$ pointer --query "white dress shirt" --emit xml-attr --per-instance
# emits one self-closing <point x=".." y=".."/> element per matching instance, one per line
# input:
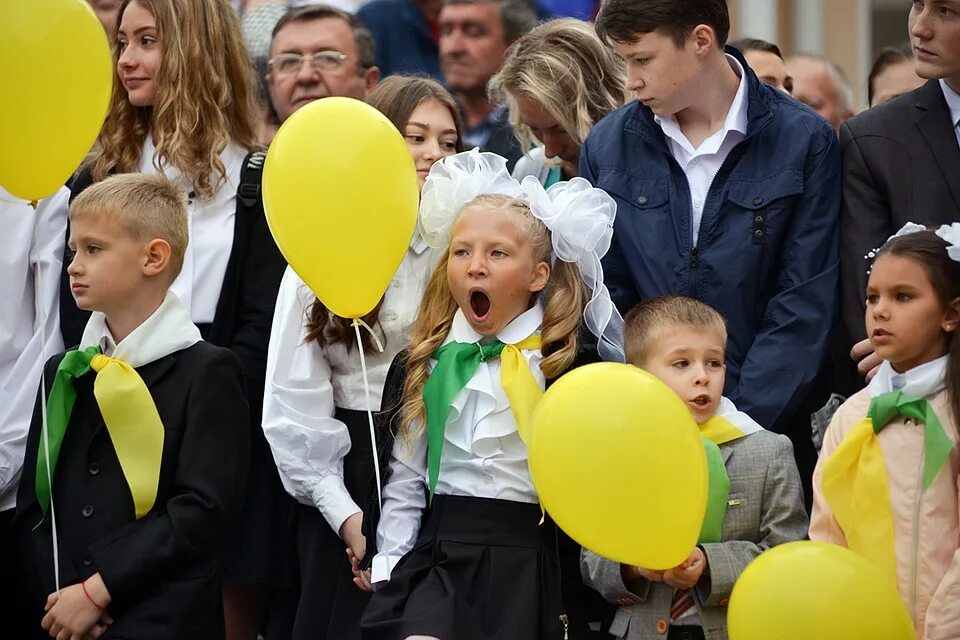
<point x="305" y="384"/>
<point x="483" y="455"/>
<point x="922" y="381"/>
<point x="30" y="265"/>
<point x="953" y="103"/>
<point x="211" y="233"/>
<point x="702" y="163"/>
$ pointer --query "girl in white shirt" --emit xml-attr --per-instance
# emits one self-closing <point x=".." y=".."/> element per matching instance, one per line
<point x="461" y="550"/>
<point x="315" y="407"/>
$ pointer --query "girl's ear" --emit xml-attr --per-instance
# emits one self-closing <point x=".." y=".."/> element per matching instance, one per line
<point x="951" y="319"/>
<point x="541" y="275"/>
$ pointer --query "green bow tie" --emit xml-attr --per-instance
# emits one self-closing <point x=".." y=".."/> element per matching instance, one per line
<point x="936" y="444"/>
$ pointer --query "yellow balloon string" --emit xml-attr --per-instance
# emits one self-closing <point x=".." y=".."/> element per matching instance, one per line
<point x="135" y="428"/>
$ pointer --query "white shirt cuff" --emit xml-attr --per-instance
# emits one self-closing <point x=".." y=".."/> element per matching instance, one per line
<point x="333" y="500"/>
<point x="382" y="567"/>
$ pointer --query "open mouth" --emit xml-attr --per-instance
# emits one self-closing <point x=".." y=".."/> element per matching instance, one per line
<point x="702" y="401"/>
<point x="479" y="305"/>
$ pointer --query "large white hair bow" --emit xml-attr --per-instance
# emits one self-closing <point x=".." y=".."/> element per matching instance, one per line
<point x="579" y="217"/>
<point x="951" y="235"/>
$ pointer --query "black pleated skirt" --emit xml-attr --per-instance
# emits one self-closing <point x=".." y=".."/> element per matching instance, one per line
<point x="482" y="569"/>
<point x="327" y="604"/>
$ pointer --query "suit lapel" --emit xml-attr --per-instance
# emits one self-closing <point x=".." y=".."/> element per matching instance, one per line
<point x="726" y="452"/>
<point x="933" y="121"/>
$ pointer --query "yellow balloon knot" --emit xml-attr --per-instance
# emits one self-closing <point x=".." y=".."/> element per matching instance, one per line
<point x="99" y="362"/>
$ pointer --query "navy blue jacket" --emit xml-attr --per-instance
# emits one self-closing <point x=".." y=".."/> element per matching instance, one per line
<point x="767" y="253"/>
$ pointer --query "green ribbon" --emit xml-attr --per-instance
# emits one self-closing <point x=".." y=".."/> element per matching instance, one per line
<point x="936" y="445"/>
<point x="59" y="407"/>
<point x="718" y="491"/>
<point x="457" y="362"/>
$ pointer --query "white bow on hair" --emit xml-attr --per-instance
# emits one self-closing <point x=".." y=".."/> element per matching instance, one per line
<point x="579" y="217"/>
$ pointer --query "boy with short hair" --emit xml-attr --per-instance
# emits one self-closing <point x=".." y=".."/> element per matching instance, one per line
<point x="681" y="341"/>
<point x="144" y="454"/>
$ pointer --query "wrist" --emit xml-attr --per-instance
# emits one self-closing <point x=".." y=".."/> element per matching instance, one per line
<point x="96" y="591"/>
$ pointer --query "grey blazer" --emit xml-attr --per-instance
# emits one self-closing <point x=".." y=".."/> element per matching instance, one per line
<point x="765" y="508"/>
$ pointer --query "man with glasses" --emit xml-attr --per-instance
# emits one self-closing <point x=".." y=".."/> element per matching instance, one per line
<point x="317" y="52"/>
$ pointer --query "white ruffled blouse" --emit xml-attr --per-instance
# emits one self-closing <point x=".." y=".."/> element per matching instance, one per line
<point x="483" y="455"/>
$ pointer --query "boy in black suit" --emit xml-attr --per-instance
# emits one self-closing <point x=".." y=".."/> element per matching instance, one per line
<point x="143" y="457"/>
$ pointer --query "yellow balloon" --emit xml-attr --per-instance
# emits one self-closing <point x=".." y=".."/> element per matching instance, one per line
<point x="56" y="72"/>
<point x="340" y="193"/>
<point x="814" y="590"/>
<point x="618" y="462"/>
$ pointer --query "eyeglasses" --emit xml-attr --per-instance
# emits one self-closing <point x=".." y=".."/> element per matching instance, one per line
<point x="288" y="64"/>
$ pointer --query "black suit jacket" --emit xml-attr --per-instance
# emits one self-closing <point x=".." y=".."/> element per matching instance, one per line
<point x="901" y="163"/>
<point x="162" y="570"/>
<point x="245" y="309"/>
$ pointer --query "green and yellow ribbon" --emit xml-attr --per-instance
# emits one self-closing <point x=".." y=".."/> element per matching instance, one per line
<point x="457" y="362"/>
<point x="855" y="482"/>
<point x="716" y="431"/>
<point x="129" y="413"/>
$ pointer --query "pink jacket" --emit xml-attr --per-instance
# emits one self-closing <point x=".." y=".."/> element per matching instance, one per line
<point x="926" y="525"/>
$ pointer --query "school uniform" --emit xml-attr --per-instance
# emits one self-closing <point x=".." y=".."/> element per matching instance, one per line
<point x="228" y="284"/>
<point x="29" y="268"/>
<point x="315" y="420"/>
<point x="764" y="508"/>
<point x="162" y="569"/>
<point x="475" y="562"/>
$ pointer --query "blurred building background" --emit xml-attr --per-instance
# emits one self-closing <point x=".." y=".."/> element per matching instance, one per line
<point x="848" y="32"/>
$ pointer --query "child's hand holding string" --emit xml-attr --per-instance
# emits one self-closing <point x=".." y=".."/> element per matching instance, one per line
<point x="686" y="575"/>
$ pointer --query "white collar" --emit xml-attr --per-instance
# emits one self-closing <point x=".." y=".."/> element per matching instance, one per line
<point x="953" y="102"/>
<point x="737" y="418"/>
<point x="736" y="119"/>
<point x="922" y="381"/>
<point x="523" y="326"/>
<point x="167" y="330"/>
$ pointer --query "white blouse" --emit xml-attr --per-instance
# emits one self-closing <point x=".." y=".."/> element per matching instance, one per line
<point x="483" y="455"/>
<point x="30" y="266"/>
<point x="305" y="384"/>
<point x="211" y="233"/>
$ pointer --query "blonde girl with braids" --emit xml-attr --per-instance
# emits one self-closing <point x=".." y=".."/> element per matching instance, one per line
<point x="183" y="106"/>
<point x="315" y="405"/>
<point x="558" y="81"/>
<point x="502" y="315"/>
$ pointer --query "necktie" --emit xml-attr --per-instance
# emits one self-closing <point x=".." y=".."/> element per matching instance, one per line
<point x="855" y="482"/>
<point x="457" y="362"/>
<point x="129" y="413"/>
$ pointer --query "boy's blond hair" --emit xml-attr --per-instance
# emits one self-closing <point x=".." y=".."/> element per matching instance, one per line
<point x="649" y="319"/>
<point x="146" y="207"/>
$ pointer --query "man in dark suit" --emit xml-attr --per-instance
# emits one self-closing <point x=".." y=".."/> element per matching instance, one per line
<point x="901" y="160"/>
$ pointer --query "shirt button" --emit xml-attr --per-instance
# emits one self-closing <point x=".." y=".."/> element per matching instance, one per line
<point x="87" y="511"/>
<point x="758" y="234"/>
<point x="87" y="562"/>
<point x="93" y="469"/>
<point x="662" y="626"/>
<point x="757" y="200"/>
<point x="642" y="200"/>
<point x="908" y="422"/>
<point x="758" y="219"/>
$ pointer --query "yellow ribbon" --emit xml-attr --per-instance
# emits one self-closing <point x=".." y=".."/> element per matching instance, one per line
<point x="134" y="425"/>
<point x="519" y="384"/>
<point x="855" y="485"/>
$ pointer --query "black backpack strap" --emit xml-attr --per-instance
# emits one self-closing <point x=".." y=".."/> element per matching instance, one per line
<point x="249" y="193"/>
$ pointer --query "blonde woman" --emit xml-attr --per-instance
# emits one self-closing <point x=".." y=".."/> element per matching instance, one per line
<point x="183" y="105"/>
<point x="558" y="81"/>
